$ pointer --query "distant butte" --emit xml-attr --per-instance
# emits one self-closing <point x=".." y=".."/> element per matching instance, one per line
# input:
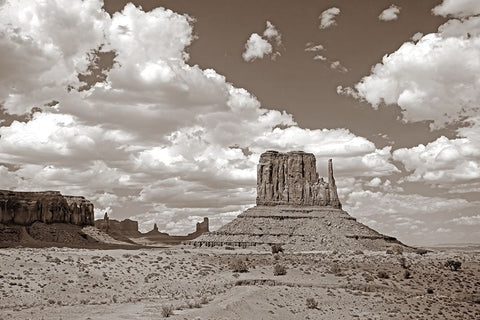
<point x="296" y="209"/>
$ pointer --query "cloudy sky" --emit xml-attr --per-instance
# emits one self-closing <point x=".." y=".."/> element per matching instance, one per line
<point x="159" y="110"/>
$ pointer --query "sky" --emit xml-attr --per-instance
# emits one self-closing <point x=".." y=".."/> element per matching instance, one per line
<point x="158" y="111"/>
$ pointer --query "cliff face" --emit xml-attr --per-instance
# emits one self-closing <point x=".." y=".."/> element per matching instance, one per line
<point x="292" y="179"/>
<point x="25" y="208"/>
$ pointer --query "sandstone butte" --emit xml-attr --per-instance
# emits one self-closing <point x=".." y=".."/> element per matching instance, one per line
<point x="296" y="209"/>
<point x="26" y="208"/>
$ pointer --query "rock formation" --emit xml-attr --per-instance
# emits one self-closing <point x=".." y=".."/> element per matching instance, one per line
<point x="127" y="230"/>
<point x="292" y="179"/>
<point x="25" y="208"/>
<point x="297" y="210"/>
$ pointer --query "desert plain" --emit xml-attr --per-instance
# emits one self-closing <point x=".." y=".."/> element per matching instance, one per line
<point x="184" y="282"/>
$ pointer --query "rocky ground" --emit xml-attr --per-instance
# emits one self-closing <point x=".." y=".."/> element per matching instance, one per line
<point x="189" y="283"/>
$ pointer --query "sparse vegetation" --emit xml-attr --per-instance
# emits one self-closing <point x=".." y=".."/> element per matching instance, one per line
<point x="279" y="270"/>
<point x="382" y="274"/>
<point x="403" y="263"/>
<point x="239" y="265"/>
<point x="311" y="303"/>
<point x="454" y="265"/>
<point x="277" y="248"/>
<point x="167" y="311"/>
<point x="430" y="291"/>
<point x="407" y="274"/>
<point x="335" y="269"/>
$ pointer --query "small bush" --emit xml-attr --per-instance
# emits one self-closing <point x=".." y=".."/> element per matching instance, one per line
<point x="430" y="291"/>
<point x="398" y="250"/>
<point x="407" y="274"/>
<point x="453" y="265"/>
<point x="403" y="263"/>
<point x="389" y="251"/>
<point x="239" y="265"/>
<point x="311" y="303"/>
<point x="167" y="311"/>
<point x="383" y="274"/>
<point x="279" y="270"/>
<point x="335" y="269"/>
<point x="277" y="248"/>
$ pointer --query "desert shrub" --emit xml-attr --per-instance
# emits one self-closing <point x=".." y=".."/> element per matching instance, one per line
<point x="389" y="251"/>
<point x="311" y="303"/>
<point x="167" y="311"/>
<point x="421" y="251"/>
<point x="383" y="274"/>
<point x="204" y="300"/>
<point x="277" y="248"/>
<point x="398" y="250"/>
<point x="407" y="274"/>
<point x="403" y="263"/>
<point x="279" y="270"/>
<point x="430" y="291"/>
<point x="276" y="257"/>
<point x="238" y="265"/>
<point x="453" y="265"/>
<point x="229" y="248"/>
<point x="335" y="269"/>
<point x="358" y="252"/>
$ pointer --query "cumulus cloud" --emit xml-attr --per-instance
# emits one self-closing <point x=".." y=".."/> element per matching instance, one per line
<point x="258" y="47"/>
<point x="327" y="17"/>
<point x="389" y="14"/>
<point x="457" y="8"/>
<point x="467" y="220"/>
<point x="146" y="141"/>
<point x="445" y="160"/>
<point x="435" y="79"/>
<point x="417" y="216"/>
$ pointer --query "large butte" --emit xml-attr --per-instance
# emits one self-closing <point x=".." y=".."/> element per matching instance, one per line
<point x="296" y="209"/>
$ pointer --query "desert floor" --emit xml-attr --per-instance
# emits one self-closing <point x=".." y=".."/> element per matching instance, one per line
<point x="198" y="283"/>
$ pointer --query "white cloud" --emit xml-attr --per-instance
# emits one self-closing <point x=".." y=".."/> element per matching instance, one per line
<point x="467" y="220"/>
<point x="42" y="49"/>
<point x="257" y="47"/>
<point x="314" y="48"/>
<point x="445" y="160"/>
<point x="457" y="8"/>
<point x="417" y="36"/>
<point x="327" y="17"/>
<point x="148" y="141"/>
<point x="431" y="80"/>
<point x="389" y="14"/>
<point x="375" y="182"/>
<point x="338" y="66"/>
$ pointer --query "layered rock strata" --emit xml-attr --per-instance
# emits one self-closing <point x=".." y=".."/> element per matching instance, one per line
<point x="25" y="208"/>
<point x="292" y="179"/>
<point x="297" y="229"/>
<point x="297" y="210"/>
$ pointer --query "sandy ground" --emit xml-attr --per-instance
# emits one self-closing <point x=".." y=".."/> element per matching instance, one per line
<point x="61" y="283"/>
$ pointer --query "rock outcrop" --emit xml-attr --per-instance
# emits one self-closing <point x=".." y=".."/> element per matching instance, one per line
<point x="292" y="179"/>
<point x="297" y="210"/>
<point x="26" y="208"/>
